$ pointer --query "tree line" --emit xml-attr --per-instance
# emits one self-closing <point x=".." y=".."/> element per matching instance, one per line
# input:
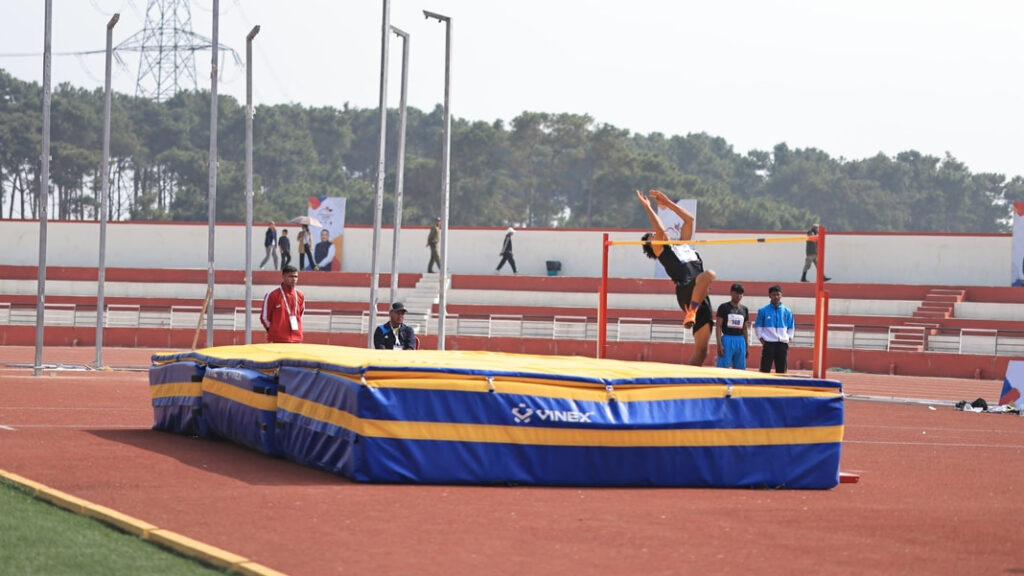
<point x="540" y="170"/>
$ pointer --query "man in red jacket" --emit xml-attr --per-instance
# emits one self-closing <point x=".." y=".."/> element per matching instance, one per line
<point x="283" y="308"/>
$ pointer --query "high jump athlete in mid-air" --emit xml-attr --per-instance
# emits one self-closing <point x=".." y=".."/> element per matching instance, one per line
<point x="685" y="268"/>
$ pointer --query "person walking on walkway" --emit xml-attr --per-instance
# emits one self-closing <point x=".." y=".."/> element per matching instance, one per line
<point x="270" y="244"/>
<point x="506" y="252"/>
<point x="811" y="254"/>
<point x="432" y="239"/>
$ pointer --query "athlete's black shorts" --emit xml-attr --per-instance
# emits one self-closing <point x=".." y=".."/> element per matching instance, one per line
<point x="684" y="294"/>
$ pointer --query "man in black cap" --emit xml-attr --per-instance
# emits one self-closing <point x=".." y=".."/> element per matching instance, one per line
<point x="395" y="334"/>
<point x="432" y="239"/>
<point x="733" y="326"/>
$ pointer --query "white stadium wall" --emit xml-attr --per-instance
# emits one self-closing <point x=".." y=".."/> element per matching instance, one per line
<point x="931" y="259"/>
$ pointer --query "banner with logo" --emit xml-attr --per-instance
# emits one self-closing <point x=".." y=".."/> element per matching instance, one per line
<point x="331" y="213"/>
<point x="1017" y="254"/>
<point x="1013" y="385"/>
<point x="674" y="227"/>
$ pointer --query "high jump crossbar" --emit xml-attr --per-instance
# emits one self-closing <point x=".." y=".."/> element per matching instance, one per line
<point x="820" y="294"/>
<point x="714" y="241"/>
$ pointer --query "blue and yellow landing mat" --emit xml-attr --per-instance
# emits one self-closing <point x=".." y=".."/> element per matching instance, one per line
<point x="430" y="416"/>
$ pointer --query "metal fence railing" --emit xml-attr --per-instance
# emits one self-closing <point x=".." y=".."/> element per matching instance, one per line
<point x="624" y="329"/>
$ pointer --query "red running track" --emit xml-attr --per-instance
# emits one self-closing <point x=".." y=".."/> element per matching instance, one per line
<point x="939" y="493"/>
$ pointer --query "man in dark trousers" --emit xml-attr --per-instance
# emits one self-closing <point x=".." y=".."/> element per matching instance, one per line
<point x="286" y="249"/>
<point x="432" y="239"/>
<point x="395" y="334"/>
<point x="506" y="252"/>
<point x="811" y="254"/>
<point x="775" y="327"/>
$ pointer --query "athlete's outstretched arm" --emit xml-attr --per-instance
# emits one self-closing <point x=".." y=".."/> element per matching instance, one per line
<point x="656" y="223"/>
<point x="687" y="232"/>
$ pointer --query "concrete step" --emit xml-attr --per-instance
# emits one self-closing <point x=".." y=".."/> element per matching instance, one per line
<point x="944" y="298"/>
<point x="935" y="293"/>
<point x="928" y="327"/>
<point x="893" y="347"/>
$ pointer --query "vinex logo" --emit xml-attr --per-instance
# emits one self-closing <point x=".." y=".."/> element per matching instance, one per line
<point x="523" y="414"/>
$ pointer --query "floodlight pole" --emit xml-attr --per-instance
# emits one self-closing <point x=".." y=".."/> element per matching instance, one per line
<point x="104" y="193"/>
<point x="248" y="182"/>
<point x="379" y="186"/>
<point x="400" y="165"/>
<point x="44" y="189"/>
<point x="442" y="307"/>
<point x="378" y="197"/>
<point x="212" y="219"/>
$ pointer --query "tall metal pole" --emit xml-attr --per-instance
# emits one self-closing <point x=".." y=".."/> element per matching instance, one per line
<point x="248" y="183"/>
<point x="104" y="193"/>
<point x="378" y="205"/>
<point x="213" y="177"/>
<point x="44" y="192"/>
<point x="442" y="308"/>
<point x="400" y="166"/>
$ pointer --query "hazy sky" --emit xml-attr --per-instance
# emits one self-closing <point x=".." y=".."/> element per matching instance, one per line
<point x="850" y="77"/>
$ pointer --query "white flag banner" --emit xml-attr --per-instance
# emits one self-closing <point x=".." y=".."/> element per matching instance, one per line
<point x="674" y="227"/>
<point x="1017" y="254"/>
<point x="1013" y="384"/>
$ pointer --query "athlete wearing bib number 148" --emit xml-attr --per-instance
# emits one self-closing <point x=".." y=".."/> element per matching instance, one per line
<point x="685" y="268"/>
<point x="733" y="331"/>
<point x="283" y="308"/>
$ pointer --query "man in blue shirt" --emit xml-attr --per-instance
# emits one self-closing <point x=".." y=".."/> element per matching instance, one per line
<point x="774" y="327"/>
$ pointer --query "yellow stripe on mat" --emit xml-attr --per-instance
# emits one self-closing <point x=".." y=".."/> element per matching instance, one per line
<point x="549" y="436"/>
<point x="171" y="540"/>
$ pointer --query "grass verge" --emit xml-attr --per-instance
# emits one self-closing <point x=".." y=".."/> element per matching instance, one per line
<point x="39" y="538"/>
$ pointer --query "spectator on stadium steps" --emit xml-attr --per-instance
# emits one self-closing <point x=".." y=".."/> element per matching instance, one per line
<point x="775" y="327"/>
<point x="733" y="330"/>
<point x="283" y="308"/>
<point x="395" y="334"/>
<point x="270" y="243"/>
<point x="685" y="267"/>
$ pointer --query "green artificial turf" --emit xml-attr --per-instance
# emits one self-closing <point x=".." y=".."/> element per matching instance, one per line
<point x="37" y="538"/>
